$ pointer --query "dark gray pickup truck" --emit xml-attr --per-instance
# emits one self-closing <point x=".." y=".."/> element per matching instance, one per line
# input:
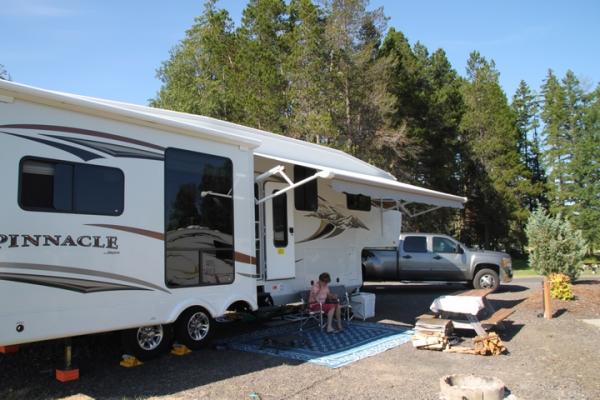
<point x="433" y="257"/>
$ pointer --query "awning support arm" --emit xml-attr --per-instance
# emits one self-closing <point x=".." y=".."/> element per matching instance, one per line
<point x="411" y="215"/>
<point x="325" y="174"/>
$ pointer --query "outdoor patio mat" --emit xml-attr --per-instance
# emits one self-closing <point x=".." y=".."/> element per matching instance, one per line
<point x="358" y="340"/>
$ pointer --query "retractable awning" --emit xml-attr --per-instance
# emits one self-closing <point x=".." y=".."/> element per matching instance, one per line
<point x="378" y="187"/>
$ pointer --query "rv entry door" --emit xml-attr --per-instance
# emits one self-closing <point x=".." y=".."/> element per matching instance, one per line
<point x="279" y="235"/>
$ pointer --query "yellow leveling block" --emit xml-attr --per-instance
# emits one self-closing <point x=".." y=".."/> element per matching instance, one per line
<point x="180" y="350"/>
<point x="130" y="361"/>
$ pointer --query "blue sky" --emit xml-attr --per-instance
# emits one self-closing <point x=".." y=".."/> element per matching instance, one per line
<point x="112" y="48"/>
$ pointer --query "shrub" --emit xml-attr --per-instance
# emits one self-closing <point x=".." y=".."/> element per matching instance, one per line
<point x="560" y="287"/>
<point x="554" y="245"/>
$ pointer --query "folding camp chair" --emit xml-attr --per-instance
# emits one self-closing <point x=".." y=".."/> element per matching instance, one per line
<point x="307" y="315"/>
<point x="342" y="295"/>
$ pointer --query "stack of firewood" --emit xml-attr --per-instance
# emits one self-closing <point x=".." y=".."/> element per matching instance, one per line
<point x="432" y="334"/>
<point x="489" y="344"/>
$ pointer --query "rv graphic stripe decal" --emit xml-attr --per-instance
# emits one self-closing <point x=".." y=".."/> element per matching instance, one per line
<point x="83" y="154"/>
<point x="72" y="284"/>
<point x="332" y="222"/>
<point x="245" y="258"/>
<point x="249" y="275"/>
<point x="132" y="229"/>
<point x="114" y="150"/>
<point x="81" y="271"/>
<point x="88" y="132"/>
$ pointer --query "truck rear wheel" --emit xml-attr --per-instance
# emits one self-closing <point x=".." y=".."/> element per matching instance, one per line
<point x="193" y="328"/>
<point x="147" y="342"/>
<point x="486" y="279"/>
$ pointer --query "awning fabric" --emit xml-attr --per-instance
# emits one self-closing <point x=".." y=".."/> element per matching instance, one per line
<point x="381" y="188"/>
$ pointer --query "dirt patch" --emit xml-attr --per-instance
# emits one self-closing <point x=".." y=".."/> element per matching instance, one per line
<point x="585" y="305"/>
<point x="548" y="359"/>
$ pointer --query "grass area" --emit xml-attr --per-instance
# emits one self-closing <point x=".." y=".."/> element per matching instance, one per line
<point x="521" y="267"/>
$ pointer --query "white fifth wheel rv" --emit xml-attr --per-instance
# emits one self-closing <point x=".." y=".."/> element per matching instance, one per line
<point x="123" y="217"/>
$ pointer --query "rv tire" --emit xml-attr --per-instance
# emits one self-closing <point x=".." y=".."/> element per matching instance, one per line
<point x="194" y="327"/>
<point x="147" y="342"/>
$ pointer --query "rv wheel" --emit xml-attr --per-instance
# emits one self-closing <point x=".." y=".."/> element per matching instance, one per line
<point x="147" y="342"/>
<point x="193" y="328"/>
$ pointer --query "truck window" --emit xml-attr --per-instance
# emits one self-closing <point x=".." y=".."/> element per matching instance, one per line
<point x="444" y="245"/>
<point x="415" y="244"/>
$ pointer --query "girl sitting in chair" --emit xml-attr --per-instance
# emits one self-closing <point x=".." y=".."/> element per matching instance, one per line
<point x="322" y="299"/>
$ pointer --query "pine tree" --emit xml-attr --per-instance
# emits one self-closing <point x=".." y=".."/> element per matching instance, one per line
<point x="4" y="73"/>
<point x="426" y="108"/>
<point x="262" y="50"/>
<point x="200" y="75"/>
<point x="308" y="76"/>
<point x="495" y="179"/>
<point x="352" y="38"/>
<point x="586" y="173"/>
<point x="525" y="106"/>
<point x="558" y="144"/>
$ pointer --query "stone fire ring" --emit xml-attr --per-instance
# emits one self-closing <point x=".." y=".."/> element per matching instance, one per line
<point x="470" y="387"/>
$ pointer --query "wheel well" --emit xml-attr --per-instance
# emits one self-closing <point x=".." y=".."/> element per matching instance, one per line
<point x="195" y="308"/>
<point x="493" y="267"/>
<point x="240" y="305"/>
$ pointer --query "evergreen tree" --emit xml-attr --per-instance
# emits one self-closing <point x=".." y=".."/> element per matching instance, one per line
<point x="4" y="73"/>
<point x="308" y="75"/>
<point x="200" y="75"/>
<point x="586" y="173"/>
<point x="495" y="179"/>
<point x="555" y="246"/>
<point x="262" y="84"/>
<point x="526" y="109"/>
<point x="352" y="38"/>
<point x="558" y="144"/>
<point x="427" y="108"/>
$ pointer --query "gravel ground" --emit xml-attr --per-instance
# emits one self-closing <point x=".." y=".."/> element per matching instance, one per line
<point x="557" y="359"/>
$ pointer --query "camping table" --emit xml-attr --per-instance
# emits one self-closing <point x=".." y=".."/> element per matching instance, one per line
<point x="467" y="305"/>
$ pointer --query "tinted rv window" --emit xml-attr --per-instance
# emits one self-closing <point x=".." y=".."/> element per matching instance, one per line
<point x="60" y="186"/>
<point x="280" y="226"/>
<point x="415" y="244"/>
<point x="358" y="202"/>
<point x="198" y="219"/>
<point x="305" y="196"/>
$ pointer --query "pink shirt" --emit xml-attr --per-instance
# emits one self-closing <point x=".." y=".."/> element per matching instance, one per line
<point x="318" y="294"/>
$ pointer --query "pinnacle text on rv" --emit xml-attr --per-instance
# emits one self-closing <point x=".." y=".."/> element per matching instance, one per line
<point x="20" y="240"/>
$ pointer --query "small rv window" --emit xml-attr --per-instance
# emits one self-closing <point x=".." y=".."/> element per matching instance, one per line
<point x="358" y="202"/>
<point x="415" y="244"/>
<point x="280" y="226"/>
<point x="305" y="196"/>
<point x="60" y="186"/>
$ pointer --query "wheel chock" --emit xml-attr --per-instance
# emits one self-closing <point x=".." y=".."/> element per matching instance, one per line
<point x="9" y="349"/>
<point x="180" y="350"/>
<point x="130" y="361"/>
<point x="66" y="375"/>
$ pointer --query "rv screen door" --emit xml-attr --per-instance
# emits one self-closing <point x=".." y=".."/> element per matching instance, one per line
<point x="279" y="237"/>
